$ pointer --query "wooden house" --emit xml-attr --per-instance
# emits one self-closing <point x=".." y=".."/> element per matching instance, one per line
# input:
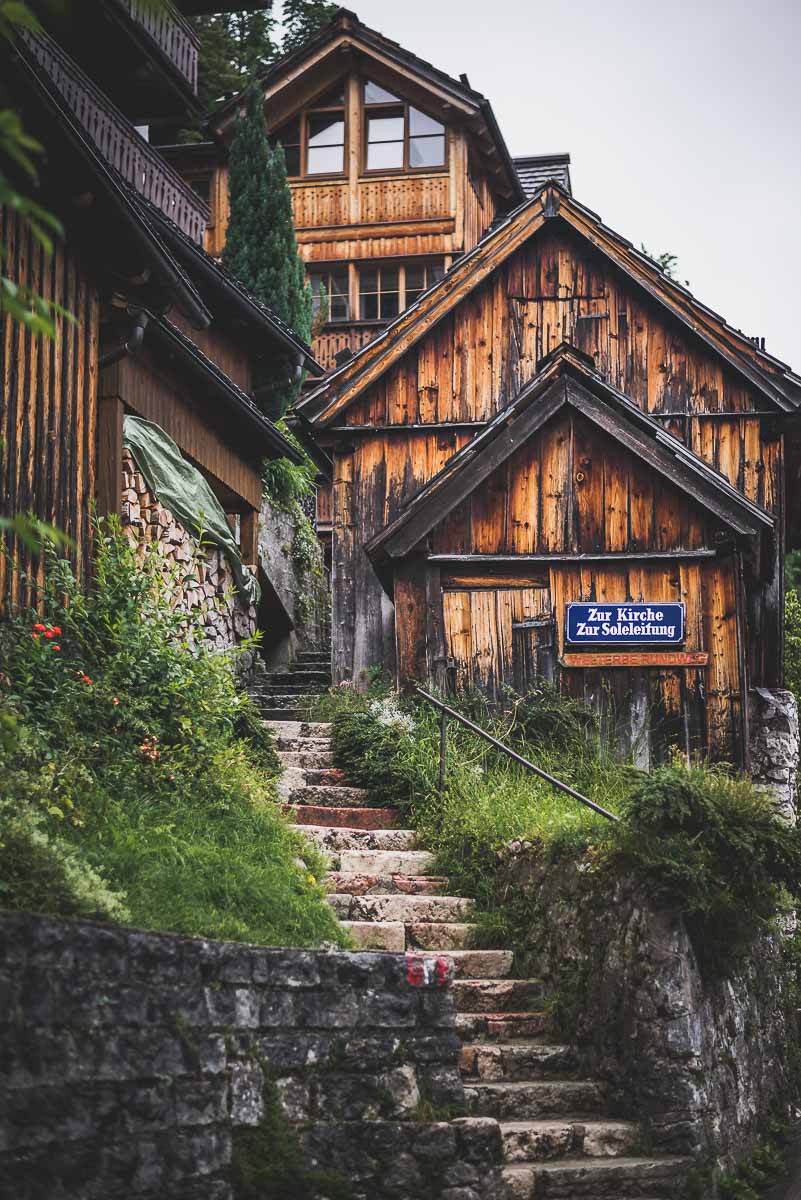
<point x="557" y="422"/>
<point x="395" y="168"/>
<point x="160" y="330"/>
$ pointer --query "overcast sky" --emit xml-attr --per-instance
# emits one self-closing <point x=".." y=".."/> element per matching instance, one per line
<point x="683" y="121"/>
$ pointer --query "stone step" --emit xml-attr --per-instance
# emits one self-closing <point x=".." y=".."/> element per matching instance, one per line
<point x="502" y="1026"/>
<point x="537" y="1098"/>
<point x="385" y="885"/>
<point x="376" y="935"/>
<point x="400" y="908"/>
<point x="326" y="777"/>
<point x="268" y="691"/>
<point x="496" y="995"/>
<point x="386" y="860"/>
<point x="300" y="728"/>
<point x="306" y="676"/>
<point x="481" y="964"/>
<point x="343" y="818"/>
<point x="339" y="841"/>
<point x="279" y="714"/>
<point x="439" y="937"/>
<point x="493" y="1061"/>
<point x="333" y="797"/>
<point x="533" y="1141"/>
<point x="596" y="1179"/>
<point x="287" y="743"/>
<point x="308" y="760"/>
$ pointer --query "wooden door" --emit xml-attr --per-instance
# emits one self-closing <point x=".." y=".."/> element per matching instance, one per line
<point x="499" y="637"/>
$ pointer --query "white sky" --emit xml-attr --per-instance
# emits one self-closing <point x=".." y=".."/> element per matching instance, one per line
<point x="683" y="122"/>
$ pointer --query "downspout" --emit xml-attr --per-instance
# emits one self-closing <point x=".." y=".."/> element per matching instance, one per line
<point x="132" y="343"/>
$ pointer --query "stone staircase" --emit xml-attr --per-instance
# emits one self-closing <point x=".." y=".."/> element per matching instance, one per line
<point x="288" y="694"/>
<point x="557" y="1135"/>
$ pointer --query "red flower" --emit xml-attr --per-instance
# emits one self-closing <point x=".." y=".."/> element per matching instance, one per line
<point x="115" y="701"/>
<point x="56" y="647"/>
<point x="40" y="627"/>
<point x="49" y="633"/>
<point x="57" y="630"/>
<point x="85" y="679"/>
<point x="35" y="636"/>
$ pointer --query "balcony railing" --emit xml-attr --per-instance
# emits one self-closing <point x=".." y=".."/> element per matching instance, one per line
<point x="117" y="140"/>
<point x="345" y="335"/>
<point x="171" y="32"/>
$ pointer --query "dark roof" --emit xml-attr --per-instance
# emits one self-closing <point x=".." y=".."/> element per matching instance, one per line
<point x="535" y="171"/>
<point x="347" y="21"/>
<point x="69" y="147"/>
<point x="238" y="300"/>
<point x="565" y="377"/>
<point x="769" y="375"/>
<point x="270" y="439"/>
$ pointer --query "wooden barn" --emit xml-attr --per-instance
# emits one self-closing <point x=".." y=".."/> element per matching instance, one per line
<point x="160" y="330"/>
<point x="559" y="424"/>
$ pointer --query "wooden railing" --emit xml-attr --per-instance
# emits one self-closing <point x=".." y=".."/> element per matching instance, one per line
<point x="342" y="336"/>
<point x="117" y="140"/>
<point x="171" y="32"/>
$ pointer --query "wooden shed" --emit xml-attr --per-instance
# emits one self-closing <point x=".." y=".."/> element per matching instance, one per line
<point x="559" y="423"/>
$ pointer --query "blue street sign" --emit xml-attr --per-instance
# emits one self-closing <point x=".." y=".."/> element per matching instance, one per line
<point x="639" y="623"/>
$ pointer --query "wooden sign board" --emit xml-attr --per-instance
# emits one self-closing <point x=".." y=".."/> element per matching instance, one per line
<point x="669" y="658"/>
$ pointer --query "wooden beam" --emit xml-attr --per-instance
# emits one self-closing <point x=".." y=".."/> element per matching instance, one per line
<point x="495" y="560"/>
<point x="108" y="479"/>
<point x="249" y="536"/>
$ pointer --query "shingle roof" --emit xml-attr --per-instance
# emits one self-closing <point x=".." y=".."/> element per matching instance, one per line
<point x="535" y="170"/>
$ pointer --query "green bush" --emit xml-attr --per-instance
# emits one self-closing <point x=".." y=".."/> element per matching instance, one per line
<point x="792" y="643"/>
<point x="141" y="764"/>
<point x="708" y="845"/>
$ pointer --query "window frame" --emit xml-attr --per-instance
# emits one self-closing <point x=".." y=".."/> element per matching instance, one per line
<point x="386" y="108"/>
<point x="328" y="273"/>
<point x="401" y="266"/>
<point x="303" y="120"/>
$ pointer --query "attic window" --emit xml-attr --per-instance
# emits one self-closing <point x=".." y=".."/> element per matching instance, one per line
<point x="314" y="142"/>
<point x="400" y="137"/>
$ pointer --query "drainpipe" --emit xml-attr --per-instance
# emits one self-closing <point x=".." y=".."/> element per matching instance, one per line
<point x="133" y="342"/>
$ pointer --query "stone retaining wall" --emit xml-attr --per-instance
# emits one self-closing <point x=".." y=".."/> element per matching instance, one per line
<point x="773" y="731"/>
<point x="129" y="1059"/>
<point x="208" y="588"/>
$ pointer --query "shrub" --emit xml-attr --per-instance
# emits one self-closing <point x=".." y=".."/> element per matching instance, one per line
<point x="709" y="846"/>
<point x="137" y="756"/>
<point x="792" y="642"/>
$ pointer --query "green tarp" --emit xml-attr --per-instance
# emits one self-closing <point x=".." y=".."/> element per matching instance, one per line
<point x="181" y="488"/>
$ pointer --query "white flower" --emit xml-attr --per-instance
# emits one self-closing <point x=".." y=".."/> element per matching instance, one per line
<point x="386" y="712"/>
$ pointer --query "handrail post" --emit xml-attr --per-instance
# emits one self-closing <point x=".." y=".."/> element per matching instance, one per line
<point x="443" y="739"/>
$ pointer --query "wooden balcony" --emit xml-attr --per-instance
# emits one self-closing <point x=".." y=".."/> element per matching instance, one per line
<point x="343" y="335"/>
<point x="171" y="34"/>
<point x="117" y="140"/>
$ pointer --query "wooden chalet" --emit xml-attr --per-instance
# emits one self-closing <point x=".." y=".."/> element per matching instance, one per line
<point x="161" y="330"/>
<point x="559" y="422"/>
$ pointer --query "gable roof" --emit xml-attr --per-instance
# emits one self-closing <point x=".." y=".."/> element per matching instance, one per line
<point x="535" y="170"/>
<point x="345" y="33"/>
<point x="566" y="377"/>
<point x="772" y="378"/>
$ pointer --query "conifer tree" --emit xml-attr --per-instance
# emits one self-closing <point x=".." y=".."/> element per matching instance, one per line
<point x="260" y="248"/>
<point x="302" y="18"/>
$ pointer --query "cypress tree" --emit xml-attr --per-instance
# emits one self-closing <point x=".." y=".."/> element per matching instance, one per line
<point x="260" y="247"/>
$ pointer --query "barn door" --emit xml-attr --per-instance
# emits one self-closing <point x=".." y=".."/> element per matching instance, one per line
<point x="499" y="637"/>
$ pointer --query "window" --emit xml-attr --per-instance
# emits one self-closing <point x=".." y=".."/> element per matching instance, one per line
<point x="330" y="288"/>
<point x="314" y="142"/>
<point x="398" y="135"/>
<point x="385" y="291"/>
<point x="201" y="185"/>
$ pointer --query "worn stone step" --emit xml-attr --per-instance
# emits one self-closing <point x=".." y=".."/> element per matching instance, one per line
<point x="327" y="777"/>
<point x="596" y="1179"/>
<point x="502" y="1026"/>
<point x="299" y="690"/>
<point x="287" y="743"/>
<point x="515" y="1060"/>
<point x="481" y="964"/>
<point x="309" y="760"/>
<point x="376" y="935"/>
<point x="536" y="1098"/>
<point x="441" y="937"/>
<point x="495" y="995"/>
<point x="300" y="728"/>
<point x="334" y="797"/>
<point x="301" y="676"/>
<point x="289" y="712"/>
<point x="283" y="702"/>
<point x="344" y="818"/>
<point x="386" y="860"/>
<point x="400" y="908"/>
<point x="385" y="885"/>
<point x="535" y="1141"/>
<point x="340" y="841"/>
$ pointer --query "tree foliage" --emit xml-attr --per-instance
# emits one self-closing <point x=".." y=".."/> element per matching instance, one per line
<point x="301" y="19"/>
<point x="261" y="249"/>
<point x="233" y="47"/>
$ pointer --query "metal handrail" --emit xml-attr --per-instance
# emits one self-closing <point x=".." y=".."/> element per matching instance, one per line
<point x="447" y="712"/>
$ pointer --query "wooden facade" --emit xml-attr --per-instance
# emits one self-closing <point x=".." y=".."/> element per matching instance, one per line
<point x="577" y="512"/>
